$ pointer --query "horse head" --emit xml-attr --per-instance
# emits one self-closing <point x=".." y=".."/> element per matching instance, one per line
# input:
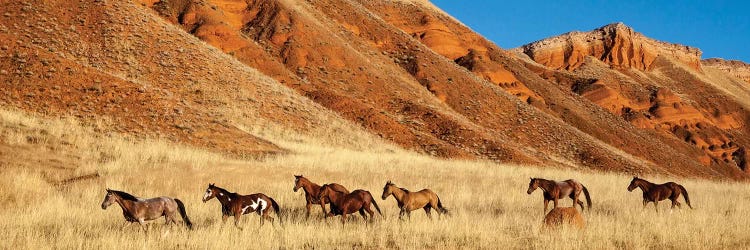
<point x="533" y="185"/>
<point x="633" y="184"/>
<point x="109" y="198"/>
<point x="387" y="189"/>
<point x="210" y="192"/>
<point x="297" y="184"/>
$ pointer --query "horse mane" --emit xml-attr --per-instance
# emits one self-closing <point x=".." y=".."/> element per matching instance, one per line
<point x="124" y="195"/>
<point x="405" y="190"/>
<point x="224" y="190"/>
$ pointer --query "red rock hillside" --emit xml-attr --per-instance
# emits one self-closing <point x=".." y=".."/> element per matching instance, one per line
<point x="655" y="86"/>
<point x="199" y="71"/>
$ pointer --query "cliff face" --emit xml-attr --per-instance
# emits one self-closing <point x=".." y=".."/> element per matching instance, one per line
<point x="615" y="44"/>
<point x="655" y="86"/>
<point x="734" y="68"/>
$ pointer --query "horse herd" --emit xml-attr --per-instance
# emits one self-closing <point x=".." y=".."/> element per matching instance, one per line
<point x="342" y="202"/>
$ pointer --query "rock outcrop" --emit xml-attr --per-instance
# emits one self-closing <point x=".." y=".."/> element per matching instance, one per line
<point x="738" y="69"/>
<point x="615" y="44"/>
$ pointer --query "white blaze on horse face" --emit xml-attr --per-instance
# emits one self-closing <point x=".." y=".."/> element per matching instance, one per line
<point x="207" y="194"/>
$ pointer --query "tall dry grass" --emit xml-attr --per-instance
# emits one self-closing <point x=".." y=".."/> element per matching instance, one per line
<point x="489" y="205"/>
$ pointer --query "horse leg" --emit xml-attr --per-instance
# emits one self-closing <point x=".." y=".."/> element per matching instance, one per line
<point x="308" y="206"/>
<point x="546" y="203"/>
<point x="580" y="203"/>
<point x="369" y="211"/>
<point x="645" y="202"/>
<point x="401" y="214"/>
<point x="143" y="227"/>
<point x="554" y="200"/>
<point x="343" y="219"/>
<point x="427" y="210"/>
<point x="237" y="217"/>
<point x="408" y="215"/>
<point x="656" y="206"/>
<point x="362" y="212"/>
<point x="260" y="216"/>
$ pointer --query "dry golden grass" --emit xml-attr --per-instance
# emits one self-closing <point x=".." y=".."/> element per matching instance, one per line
<point x="489" y="205"/>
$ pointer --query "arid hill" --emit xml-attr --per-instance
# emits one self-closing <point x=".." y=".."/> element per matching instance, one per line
<point x="655" y="86"/>
<point x="202" y="72"/>
<point x="734" y="68"/>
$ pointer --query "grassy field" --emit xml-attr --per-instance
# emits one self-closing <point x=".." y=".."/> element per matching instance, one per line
<point x="489" y="204"/>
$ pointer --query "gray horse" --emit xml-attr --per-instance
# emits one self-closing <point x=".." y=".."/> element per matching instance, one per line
<point x="141" y="210"/>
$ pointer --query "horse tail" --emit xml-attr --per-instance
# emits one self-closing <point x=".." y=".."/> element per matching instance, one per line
<point x="588" y="197"/>
<point x="687" y="198"/>
<point x="440" y="206"/>
<point x="185" y="218"/>
<point x="276" y="208"/>
<point x="375" y="204"/>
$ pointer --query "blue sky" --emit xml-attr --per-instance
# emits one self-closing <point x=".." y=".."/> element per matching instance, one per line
<point x="718" y="28"/>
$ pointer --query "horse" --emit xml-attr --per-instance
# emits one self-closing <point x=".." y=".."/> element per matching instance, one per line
<point x="658" y="192"/>
<point x="311" y="193"/>
<point x="357" y="200"/>
<point x="141" y="210"/>
<point x="554" y="190"/>
<point x="233" y="204"/>
<point x="410" y="201"/>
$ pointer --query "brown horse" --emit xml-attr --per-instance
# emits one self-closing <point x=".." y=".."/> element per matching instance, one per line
<point x="410" y="201"/>
<point x="311" y="193"/>
<point x="233" y="204"/>
<point x="658" y="192"/>
<point x="554" y="190"/>
<point x="358" y="200"/>
<point x="141" y="210"/>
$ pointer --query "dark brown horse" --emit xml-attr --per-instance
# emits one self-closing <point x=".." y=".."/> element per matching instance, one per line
<point x="658" y="192"/>
<point x="233" y="204"/>
<point x="357" y="201"/>
<point x="554" y="190"/>
<point x="139" y="210"/>
<point x="311" y="193"/>
<point x="410" y="201"/>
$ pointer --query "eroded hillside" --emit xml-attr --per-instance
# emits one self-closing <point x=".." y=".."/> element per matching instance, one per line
<point x="116" y="63"/>
<point x="655" y="86"/>
<point x="203" y="72"/>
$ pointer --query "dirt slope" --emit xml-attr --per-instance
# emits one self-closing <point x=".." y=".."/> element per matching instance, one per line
<point x="734" y="68"/>
<point x="201" y="71"/>
<point x="116" y="62"/>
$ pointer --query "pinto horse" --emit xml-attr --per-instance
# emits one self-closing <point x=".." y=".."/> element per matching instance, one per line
<point x="141" y="210"/>
<point x="357" y="200"/>
<point x="233" y="204"/>
<point x="658" y="192"/>
<point x="554" y="190"/>
<point x="410" y="201"/>
<point x="311" y="193"/>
